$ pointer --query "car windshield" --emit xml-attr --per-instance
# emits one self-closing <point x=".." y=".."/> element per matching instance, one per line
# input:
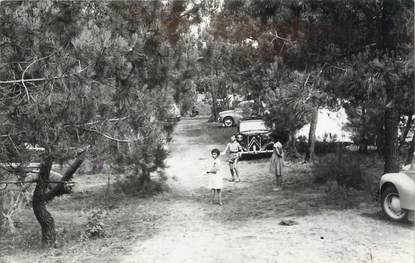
<point x="252" y="126"/>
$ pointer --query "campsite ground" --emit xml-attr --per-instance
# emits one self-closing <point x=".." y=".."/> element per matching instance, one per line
<point x="180" y="225"/>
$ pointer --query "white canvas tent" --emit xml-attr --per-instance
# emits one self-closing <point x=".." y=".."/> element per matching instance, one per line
<point x="329" y="124"/>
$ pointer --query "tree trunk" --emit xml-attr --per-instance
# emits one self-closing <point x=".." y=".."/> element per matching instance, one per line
<point x="406" y="131"/>
<point x="363" y="143"/>
<point x="214" y="104"/>
<point x="43" y="216"/>
<point x="312" y="136"/>
<point x="411" y="150"/>
<point x="60" y="189"/>
<point x="145" y="180"/>
<point x="380" y="139"/>
<point x="291" y="144"/>
<point x="391" y="153"/>
<point x="213" y="94"/>
<point x="1" y="216"/>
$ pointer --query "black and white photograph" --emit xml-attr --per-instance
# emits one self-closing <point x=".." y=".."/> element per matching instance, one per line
<point x="207" y="131"/>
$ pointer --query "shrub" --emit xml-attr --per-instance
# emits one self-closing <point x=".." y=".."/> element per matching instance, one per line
<point x="320" y="147"/>
<point x="12" y="199"/>
<point x="344" y="169"/>
<point x="137" y="185"/>
<point x="340" y="195"/>
<point x="95" y="228"/>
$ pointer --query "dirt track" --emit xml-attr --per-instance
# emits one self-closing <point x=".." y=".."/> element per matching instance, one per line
<point x="246" y="228"/>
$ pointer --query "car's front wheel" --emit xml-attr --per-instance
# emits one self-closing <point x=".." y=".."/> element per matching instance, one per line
<point x="228" y="121"/>
<point x="391" y="205"/>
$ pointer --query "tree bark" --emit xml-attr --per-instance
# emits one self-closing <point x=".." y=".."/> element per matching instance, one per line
<point x="411" y="150"/>
<point x="292" y="145"/>
<point x="380" y="139"/>
<point x="214" y="104"/>
<point x="42" y="215"/>
<point x="391" y="153"/>
<point x="1" y="216"/>
<point x="59" y="189"/>
<point x="406" y="131"/>
<point x="145" y="179"/>
<point x="363" y="143"/>
<point x="213" y="94"/>
<point x="41" y="197"/>
<point x="312" y="136"/>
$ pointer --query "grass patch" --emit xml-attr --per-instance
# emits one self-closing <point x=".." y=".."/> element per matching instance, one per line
<point x="123" y="219"/>
<point x="344" y="169"/>
<point x="209" y="132"/>
<point x="218" y="134"/>
<point x="350" y="179"/>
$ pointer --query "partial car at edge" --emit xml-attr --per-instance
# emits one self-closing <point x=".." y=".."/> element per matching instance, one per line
<point x="397" y="195"/>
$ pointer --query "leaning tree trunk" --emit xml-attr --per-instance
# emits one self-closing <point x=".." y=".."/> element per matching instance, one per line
<point x="391" y="153"/>
<point x="41" y="196"/>
<point x="39" y="202"/>
<point x="312" y="136"/>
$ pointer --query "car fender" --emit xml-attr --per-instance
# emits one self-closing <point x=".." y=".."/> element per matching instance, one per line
<point x="226" y="113"/>
<point x="405" y="184"/>
<point x="233" y="115"/>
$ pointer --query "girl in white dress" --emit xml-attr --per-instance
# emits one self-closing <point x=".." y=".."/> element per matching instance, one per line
<point x="215" y="177"/>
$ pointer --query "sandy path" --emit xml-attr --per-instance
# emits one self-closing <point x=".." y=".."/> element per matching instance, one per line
<point x="246" y="228"/>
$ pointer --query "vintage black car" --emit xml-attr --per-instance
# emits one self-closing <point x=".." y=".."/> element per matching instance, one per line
<point x="254" y="137"/>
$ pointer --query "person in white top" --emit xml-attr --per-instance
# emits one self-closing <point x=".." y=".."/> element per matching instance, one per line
<point x="234" y="149"/>
<point x="215" y="182"/>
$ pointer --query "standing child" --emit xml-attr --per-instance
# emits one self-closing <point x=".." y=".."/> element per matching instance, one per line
<point x="277" y="162"/>
<point x="234" y="149"/>
<point x="215" y="177"/>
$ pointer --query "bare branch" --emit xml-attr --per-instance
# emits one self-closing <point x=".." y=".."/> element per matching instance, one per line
<point x="23" y="81"/>
<point x="40" y="79"/>
<point x="276" y="36"/>
<point x="308" y="77"/>
<point x="99" y="121"/>
<point x="34" y="181"/>
<point x="110" y="137"/>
